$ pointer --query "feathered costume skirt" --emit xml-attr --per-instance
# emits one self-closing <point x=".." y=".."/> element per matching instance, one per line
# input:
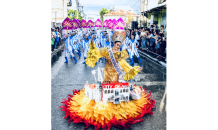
<point x="81" y="109"/>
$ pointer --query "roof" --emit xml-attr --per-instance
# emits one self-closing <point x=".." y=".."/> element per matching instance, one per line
<point x="120" y="12"/>
<point x="162" y="5"/>
<point x="92" y="86"/>
<point x="125" y="8"/>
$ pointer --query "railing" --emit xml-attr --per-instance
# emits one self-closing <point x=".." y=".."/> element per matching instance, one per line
<point x="60" y="48"/>
<point x="154" y="53"/>
<point x="152" y="59"/>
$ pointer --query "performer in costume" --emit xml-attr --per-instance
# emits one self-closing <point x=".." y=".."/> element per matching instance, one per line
<point x="80" y="107"/>
<point x="103" y="39"/>
<point x="68" y="49"/>
<point x="103" y="43"/>
<point x="89" y="36"/>
<point x="85" y="46"/>
<point x="75" y="44"/>
<point x="133" y="45"/>
<point x="108" y="43"/>
<point x="125" y="44"/>
<point x="78" y="36"/>
<point x="96" y="41"/>
<point x="100" y="38"/>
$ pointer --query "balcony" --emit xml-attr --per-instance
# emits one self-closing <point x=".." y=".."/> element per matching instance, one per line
<point x="161" y="1"/>
<point x="69" y="3"/>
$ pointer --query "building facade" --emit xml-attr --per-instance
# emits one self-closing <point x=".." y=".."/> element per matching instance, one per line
<point x="118" y="13"/>
<point x="155" y="13"/>
<point x="58" y="12"/>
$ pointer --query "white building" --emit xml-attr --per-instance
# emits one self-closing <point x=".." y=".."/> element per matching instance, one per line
<point x="58" y="12"/>
<point x="118" y="13"/>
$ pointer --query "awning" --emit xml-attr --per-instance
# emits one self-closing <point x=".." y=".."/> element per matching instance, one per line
<point x="157" y="8"/>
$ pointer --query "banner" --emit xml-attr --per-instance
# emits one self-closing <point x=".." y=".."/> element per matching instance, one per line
<point x="152" y="17"/>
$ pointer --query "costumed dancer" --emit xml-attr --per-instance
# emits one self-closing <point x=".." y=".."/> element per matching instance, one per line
<point x="91" y="105"/>
<point x="89" y="36"/>
<point x="78" y="43"/>
<point x="103" y="42"/>
<point x="85" y="45"/>
<point x="133" y="45"/>
<point x="125" y="44"/>
<point x="108" y="43"/>
<point x="68" y="49"/>
<point x="96" y="41"/>
<point x="75" y="45"/>
<point x="100" y="37"/>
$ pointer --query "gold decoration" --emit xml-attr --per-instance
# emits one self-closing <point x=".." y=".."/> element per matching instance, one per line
<point x="119" y="36"/>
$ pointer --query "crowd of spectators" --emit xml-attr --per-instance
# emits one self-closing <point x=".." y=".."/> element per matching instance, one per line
<point x="56" y="37"/>
<point x="151" y="39"/>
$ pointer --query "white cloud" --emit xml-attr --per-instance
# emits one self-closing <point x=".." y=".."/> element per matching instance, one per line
<point x="92" y="7"/>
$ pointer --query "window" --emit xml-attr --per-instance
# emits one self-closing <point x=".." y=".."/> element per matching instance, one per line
<point x="112" y="91"/>
<point x="124" y="90"/>
<point x="127" y="90"/>
<point x="116" y="93"/>
<point x="127" y="97"/>
<point x="120" y="90"/>
<point x="105" y="92"/>
<point x="108" y="91"/>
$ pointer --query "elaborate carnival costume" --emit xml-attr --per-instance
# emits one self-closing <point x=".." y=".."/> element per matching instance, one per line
<point x="85" y="45"/>
<point x="108" y="103"/>
<point x="75" y="44"/>
<point x="132" y="44"/>
<point x="68" y="49"/>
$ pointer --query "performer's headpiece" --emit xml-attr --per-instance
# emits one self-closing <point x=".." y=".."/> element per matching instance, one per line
<point x="75" y="24"/>
<point x="119" y="33"/>
<point x="98" y="23"/>
<point x="83" y="24"/>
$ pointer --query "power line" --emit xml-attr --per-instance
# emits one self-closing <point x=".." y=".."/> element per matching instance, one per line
<point x="135" y="3"/>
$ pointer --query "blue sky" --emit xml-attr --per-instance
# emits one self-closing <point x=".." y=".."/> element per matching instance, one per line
<point x="94" y="6"/>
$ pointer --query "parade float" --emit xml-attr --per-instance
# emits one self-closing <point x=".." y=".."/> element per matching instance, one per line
<point x="112" y="100"/>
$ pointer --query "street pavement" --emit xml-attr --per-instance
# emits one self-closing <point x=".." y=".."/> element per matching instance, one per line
<point x="66" y="77"/>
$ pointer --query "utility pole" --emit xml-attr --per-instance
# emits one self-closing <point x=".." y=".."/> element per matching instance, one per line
<point x="55" y="17"/>
<point x="77" y="4"/>
<point x="140" y="13"/>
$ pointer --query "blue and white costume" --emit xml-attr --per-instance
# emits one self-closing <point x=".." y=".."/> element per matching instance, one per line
<point x="96" y="43"/>
<point x="133" y="43"/>
<point x="125" y="45"/>
<point x="68" y="49"/>
<point x="103" y="40"/>
<point x="85" y="44"/>
<point x="108" y="44"/>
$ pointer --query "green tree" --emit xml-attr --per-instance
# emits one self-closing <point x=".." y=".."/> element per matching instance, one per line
<point x="70" y="11"/>
<point x="102" y="12"/>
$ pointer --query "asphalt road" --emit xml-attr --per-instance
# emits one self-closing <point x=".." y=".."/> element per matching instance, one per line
<point x="66" y="77"/>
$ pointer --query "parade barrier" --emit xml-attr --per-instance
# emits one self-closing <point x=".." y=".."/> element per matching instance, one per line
<point x="56" y="53"/>
<point x="152" y="59"/>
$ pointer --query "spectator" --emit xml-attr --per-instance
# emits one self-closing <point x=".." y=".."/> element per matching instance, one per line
<point x="52" y="42"/>
<point x="161" y="46"/>
<point x="152" y="42"/>
<point x="165" y="46"/>
<point x="136" y="34"/>
<point x="56" y="39"/>
<point x="147" y="38"/>
<point x="152" y="29"/>
<point x="162" y="31"/>
<point x="143" y="34"/>
<point x="155" y="26"/>
<point x="158" y="42"/>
